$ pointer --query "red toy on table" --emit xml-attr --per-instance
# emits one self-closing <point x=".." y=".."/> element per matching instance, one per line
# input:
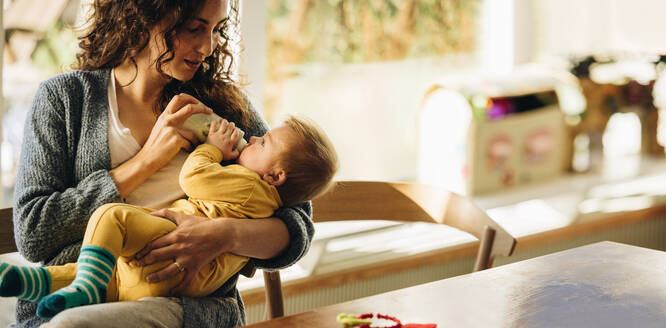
<point x="362" y="321"/>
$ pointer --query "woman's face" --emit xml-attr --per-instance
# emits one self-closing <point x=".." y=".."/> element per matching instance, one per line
<point x="194" y="43"/>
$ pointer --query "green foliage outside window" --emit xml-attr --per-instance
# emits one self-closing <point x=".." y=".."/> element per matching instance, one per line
<point x="356" y="31"/>
<point x="56" y="52"/>
<point x="335" y="32"/>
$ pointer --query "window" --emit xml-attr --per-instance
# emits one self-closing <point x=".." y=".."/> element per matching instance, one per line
<point x="359" y="68"/>
<point x="39" y="45"/>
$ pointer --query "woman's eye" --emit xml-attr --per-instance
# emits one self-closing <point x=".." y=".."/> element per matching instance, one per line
<point x="262" y="142"/>
<point x="194" y="29"/>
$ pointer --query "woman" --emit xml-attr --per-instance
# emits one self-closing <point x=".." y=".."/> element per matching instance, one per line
<point x="112" y="131"/>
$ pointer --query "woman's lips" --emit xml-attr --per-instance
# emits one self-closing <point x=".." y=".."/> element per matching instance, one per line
<point x="193" y="65"/>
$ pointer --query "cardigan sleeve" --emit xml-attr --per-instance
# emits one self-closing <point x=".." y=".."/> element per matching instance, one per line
<point x="298" y="220"/>
<point x="51" y="210"/>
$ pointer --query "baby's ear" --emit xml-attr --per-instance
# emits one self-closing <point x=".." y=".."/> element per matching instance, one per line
<point x="275" y="177"/>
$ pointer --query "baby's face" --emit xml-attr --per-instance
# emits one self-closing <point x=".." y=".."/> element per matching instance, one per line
<point x="262" y="153"/>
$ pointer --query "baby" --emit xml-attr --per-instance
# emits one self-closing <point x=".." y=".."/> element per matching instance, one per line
<point x="288" y="165"/>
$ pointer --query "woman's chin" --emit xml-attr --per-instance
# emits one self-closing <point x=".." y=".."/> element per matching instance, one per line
<point x="183" y="76"/>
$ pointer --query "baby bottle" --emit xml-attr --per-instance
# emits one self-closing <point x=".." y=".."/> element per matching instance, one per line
<point x="200" y="124"/>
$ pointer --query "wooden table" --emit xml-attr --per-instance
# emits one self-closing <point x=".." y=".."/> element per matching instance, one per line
<point x="599" y="285"/>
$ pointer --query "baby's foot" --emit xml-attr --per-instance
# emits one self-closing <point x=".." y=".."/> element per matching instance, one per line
<point x="94" y="271"/>
<point x="71" y="296"/>
<point x="25" y="282"/>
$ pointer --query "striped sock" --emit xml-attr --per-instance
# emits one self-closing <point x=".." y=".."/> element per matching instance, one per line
<point x="93" y="273"/>
<point x="25" y="282"/>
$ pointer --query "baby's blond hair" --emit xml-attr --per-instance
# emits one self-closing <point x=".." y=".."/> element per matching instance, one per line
<point x="310" y="162"/>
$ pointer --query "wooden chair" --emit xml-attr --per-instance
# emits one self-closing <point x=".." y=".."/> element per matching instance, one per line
<point x="366" y="200"/>
<point x="408" y="202"/>
<point x="7" y="243"/>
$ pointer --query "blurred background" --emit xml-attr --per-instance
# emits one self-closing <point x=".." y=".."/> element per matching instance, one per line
<point x="548" y="112"/>
<point x="363" y="70"/>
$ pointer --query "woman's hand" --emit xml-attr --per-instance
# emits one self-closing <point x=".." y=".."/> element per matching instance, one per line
<point x="195" y="243"/>
<point x="166" y="139"/>
<point x="168" y="136"/>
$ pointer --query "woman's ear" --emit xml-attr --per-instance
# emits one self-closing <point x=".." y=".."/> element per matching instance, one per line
<point x="275" y="177"/>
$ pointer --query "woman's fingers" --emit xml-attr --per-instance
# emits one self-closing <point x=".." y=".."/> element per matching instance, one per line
<point x="183" y="113"/>
<point x="167" y="272"/>
<point x="164" y="247"/>
<point x="168" y="214"/>
<point x="180" y="108"/>
<point x="192" y="245"/>
<point x="187" y="280"/>
<point x="190" y="139"/>
<point x="179" y="101"/>
<point x="156" y="254"/>
<point x="168" y="137"/>
<point x="170" y="271"/>
<point x="163" y="241"/>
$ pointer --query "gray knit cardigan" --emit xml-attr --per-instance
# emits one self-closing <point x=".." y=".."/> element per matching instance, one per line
<point x="64" y="176"/>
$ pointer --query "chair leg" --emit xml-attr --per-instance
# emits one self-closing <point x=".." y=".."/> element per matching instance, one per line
<point x="483" y="260"/>
<point x="274" y="303"/>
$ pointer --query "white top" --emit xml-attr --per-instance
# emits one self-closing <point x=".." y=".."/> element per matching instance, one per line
<point x="160" y="189"/>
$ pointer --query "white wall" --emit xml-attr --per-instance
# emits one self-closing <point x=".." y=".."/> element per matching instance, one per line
<point x="496" y="39"/>
<point x="598" y="26"/>
<point x="524" y="33"/>
<point x="641" y="24"/>
<point x="254" y="14"/>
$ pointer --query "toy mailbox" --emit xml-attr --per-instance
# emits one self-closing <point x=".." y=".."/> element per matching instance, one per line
<point x="485" y="134"/>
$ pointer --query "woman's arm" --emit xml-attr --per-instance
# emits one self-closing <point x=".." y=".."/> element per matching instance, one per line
<point x="272" y="238"/>
<point x="197" y="241"/>
<point x="166" y="139"/>
<point x="297" y="220"/>
<point x="50" y="211"/>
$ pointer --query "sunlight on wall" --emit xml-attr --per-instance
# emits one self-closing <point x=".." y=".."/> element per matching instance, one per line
<point x="442" y="130"/>
<point x="368" y="110"/>
<point x="621" y="148"/>
<point x="660" y="102"/>
<point x="622" y="136"/>
<point x="496" y="38"/>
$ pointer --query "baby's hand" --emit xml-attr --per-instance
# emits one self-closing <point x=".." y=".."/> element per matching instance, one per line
<point x="224" y="138"/>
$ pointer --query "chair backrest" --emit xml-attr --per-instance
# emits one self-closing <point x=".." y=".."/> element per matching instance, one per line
<point x="414" y="202"/>
<point x="7" y="243"/>
<point x="408" y="202"/>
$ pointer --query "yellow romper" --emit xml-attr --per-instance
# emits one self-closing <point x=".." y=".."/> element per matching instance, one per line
<point x="213" y="191"/>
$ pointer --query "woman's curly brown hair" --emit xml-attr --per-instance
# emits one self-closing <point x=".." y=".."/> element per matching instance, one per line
<point x="119" y="30"/>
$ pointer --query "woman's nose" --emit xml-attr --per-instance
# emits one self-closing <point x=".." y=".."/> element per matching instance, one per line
<point x="208" y="44"/>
